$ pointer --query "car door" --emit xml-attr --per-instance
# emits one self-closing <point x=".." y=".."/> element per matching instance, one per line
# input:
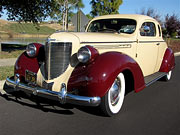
<point x="147" y="47"/>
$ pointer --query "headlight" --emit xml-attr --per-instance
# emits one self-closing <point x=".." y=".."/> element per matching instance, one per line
<point x="84" y="54"/>
<point x="31" y="50"/>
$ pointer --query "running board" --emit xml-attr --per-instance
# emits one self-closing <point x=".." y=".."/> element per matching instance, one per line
<point x="154" y="77"/>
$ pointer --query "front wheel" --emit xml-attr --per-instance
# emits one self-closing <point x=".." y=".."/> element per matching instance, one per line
<point x="111" y="103"/>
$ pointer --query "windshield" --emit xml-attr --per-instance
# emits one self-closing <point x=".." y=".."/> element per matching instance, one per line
<point x="127" y="26"/>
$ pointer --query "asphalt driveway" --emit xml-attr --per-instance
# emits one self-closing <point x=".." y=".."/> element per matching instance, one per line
<point x="153" y="111"/>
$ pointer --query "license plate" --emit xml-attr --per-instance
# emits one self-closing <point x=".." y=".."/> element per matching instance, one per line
<point x="31" y="77"/>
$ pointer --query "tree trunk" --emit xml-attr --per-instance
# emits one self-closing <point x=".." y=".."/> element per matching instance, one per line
<point x="66" y="15"/>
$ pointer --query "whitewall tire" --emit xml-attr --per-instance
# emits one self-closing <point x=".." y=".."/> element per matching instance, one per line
<point x="112" y="102"/>
<point x="168" y="76"/>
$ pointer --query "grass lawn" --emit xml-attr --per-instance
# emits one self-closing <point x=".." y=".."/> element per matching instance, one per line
<point x="11" y="54"/>
<point x="27" y="28"/>
<point x="6" y="71"/>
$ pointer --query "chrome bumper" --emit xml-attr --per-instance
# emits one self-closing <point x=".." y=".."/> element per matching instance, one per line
<point x="62" y="96"/>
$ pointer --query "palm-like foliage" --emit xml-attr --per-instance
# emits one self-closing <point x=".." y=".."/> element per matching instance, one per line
<point x="104" y="7"/>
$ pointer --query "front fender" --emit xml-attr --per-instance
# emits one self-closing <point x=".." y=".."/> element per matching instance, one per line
<point x="24" y="62"/>
<point x="96" y="78"/>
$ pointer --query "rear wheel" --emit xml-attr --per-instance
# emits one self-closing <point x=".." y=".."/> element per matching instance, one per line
<point x="111" y="103"/>
<point x="168" y="76"/>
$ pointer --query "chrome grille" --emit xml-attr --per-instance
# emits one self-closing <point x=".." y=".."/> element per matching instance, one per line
<point x="57" y="58"/>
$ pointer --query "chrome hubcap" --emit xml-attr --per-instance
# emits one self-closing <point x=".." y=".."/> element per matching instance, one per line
<point x="115" y="92"/>
<point x="169" y="75"/>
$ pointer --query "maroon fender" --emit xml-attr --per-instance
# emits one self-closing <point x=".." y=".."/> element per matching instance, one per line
<point x="168" y="62"/>
<point x="96" y="78"/>
<point x="24" y="62"/>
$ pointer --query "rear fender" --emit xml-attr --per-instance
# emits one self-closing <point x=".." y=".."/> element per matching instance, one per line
<point x="168" y="62"/>
<point x="96" y="78"/>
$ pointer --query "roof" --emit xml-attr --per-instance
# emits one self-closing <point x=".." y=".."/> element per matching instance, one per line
<point x="130" y="16"/>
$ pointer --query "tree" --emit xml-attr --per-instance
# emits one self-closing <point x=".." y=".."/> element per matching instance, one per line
<point x="38" y="10"/>
<point x="63" y="10"/>
<point x="152" y="13"/>
<point x="172" y="24"/>
<point x="105" y="7"/>
<point x="1" y="7"/>
<point x="26" y="10"/>
<point x="89" y="16"/>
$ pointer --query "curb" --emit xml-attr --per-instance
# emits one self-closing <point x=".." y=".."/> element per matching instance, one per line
<point x="177" y="54"/>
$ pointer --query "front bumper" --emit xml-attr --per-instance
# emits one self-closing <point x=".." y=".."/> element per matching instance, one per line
<point x="62" y="96"/>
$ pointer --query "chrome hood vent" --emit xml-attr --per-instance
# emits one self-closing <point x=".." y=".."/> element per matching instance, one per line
<point x="57" y="58"/>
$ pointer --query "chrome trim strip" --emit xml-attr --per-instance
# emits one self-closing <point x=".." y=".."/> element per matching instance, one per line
<point x="61" y="96"/>
<point x="107" y="42"/>
<point x="112" y="46"/>
<point x="49" y="61"/>
<point x="150" y="41"/>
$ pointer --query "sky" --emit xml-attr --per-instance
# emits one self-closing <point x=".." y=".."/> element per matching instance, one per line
<point x="162" y="7"/>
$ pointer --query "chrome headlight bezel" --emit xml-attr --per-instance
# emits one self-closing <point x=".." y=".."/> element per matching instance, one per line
<point x="31" y="50"/>
<point x="84" y="54"/>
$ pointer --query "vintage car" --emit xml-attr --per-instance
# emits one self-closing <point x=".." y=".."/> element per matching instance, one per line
<point x="115" y="54"/>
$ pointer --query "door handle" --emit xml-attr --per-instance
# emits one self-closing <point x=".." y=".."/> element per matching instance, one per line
<point x="158" y="44"/>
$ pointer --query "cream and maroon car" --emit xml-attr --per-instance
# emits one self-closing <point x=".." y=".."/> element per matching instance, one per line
<point x="116" y="54"/>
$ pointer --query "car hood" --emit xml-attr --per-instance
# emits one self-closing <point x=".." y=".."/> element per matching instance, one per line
<point x="92" y="37"/>
<point x="87" y="37"/>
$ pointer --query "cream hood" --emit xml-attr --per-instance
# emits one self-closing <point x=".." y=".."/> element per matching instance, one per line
<point x="85" y="37"/>
<point x="88" y="37"/>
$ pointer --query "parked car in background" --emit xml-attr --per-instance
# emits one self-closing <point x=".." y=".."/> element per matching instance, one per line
<point x="178" y="36"/>
<point x="115" y="54"/>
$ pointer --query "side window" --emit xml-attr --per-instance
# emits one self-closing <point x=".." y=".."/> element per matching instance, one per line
<point x="148" y="29"/>
<point x="159" y="31"/>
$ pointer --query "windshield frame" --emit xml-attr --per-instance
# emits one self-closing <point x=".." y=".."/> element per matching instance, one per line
<point x="134" y="22"/>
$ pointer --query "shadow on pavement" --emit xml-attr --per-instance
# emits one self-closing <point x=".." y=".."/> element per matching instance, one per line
<point x="46" y="105"/>
<point x="38" y="103"/>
